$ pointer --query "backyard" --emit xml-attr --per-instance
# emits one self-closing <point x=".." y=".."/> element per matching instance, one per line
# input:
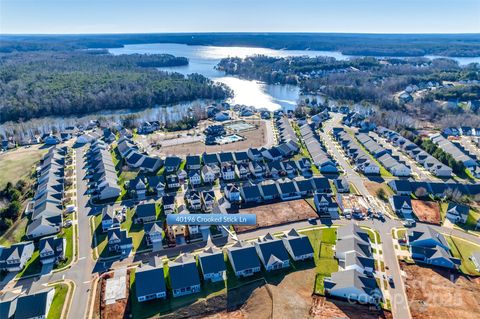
<point x="323" y="241"/>
<point x="463" y="249"/>
<point x="56" y="308"/>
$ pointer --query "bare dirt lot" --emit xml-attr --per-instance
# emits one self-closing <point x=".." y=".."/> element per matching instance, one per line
<point x="253" y="138"/>
<point x="297" y="303"/>
<point x="428" y="212"/>
<point x="354" y="203"/>
<point x="278" y="213"/>
<point x="432" y="294"/>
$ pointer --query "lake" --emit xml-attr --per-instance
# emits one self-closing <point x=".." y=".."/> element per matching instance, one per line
<point x="203" y="59"/>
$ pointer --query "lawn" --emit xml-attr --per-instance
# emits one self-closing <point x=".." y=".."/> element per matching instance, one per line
<point x="33" y="265"/>
<point x="323" y="241"/>
<point x="56" y="308"/>
<point x="67" y="233"/>
<point x="135" y="230"/>
<point x="18" y="164"/>
<point x="100" y="236"/>
<point x="16" y="233"/>
<point x="158" y="307"/>
<point x="373" y="235"/>
<point x="463" y="249"/>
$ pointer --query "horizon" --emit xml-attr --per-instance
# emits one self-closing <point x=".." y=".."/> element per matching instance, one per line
<point x="57" y="17"/>
<point x="234" y="32"/>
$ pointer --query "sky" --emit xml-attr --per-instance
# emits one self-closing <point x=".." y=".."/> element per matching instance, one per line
<point x="149" y="16"/>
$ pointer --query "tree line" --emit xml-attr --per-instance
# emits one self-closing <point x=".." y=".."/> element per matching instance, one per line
<point x="37" y="84"/>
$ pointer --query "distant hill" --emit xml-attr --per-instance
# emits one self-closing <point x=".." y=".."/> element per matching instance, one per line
<point x="460" y="45"/>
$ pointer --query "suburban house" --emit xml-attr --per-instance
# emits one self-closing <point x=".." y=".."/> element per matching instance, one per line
<point x="298" y="246"/>
<point x="208" y="174"/>
<point x="169" y="203"/>
<point x="232" y="193"/>
<point x="352" y="285"/>
<point x="157" y="184"/>
<point x="8" y="305"/>
<point x="35" y="305"/>
<point x="401" y="187"/>
<point x="269" y="191"/>
<point x="102" y="171"/>
<point x="254" y="154"/>
<point x="138" y="186"/>
<point x="212" y="264"/>
<point x="353" y="249"/>
<point x="52" y="249"/>
<point x="145" y="213"/>
<point x="154" y="234"/>
<point x="16" y="256"/>
<point x="194" y="200"/>
<point x="242" y="170"/>
<point x="257" y="169"/>
<point x="194" y="177"/>
<point x="243" y="258"/>
<point x="241" y="157"/>
<point x="326" y="206"/>
<point x="288" y="190"/>
<point x="430" y="247"/>
<point x="173" y="181"/>
<point x="109" y="218"/>
<point x="192" y="162"/>
<point x="150" y="281"/>
<point x="342" y="186"/>
<point x="228" y="172"/>
<point x="272" y="252"/>
<point x="402" y="205"/>
<point x="184" y="279"/>
<point x="172" y="164"/>
<point x="118" y="241"/>
<point x="44" y="226"/>
<point x="320" y="158"/>
<point x="251" y="194"/>
<point x="305" y="187"/>
<point x="457" y="213"/>
<point x="208" y="199"/>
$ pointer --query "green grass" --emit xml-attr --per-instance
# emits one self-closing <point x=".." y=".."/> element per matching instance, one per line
<point x="463" y="249"/>
<point x="18" y="164"/>
<point x="16" y="233"/>
<point x="33" y="265"/>
<point x="56" y="308"/>
<point x="373" y="235"/>
<point x="383" y="170"/>
<point x="135" y="231"/>
<point x="160" y="307"/>
<point x="323" y="241"/>
<point x="101" y="237"/>
<point x="68" y="235"/>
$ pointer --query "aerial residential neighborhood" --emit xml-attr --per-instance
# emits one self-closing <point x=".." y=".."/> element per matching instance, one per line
<point x="239" y="159"/>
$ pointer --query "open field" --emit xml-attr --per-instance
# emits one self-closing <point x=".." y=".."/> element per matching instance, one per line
<point x="278" y="213"/>
<point x="329" y="308"/>
<point x="15" y="233"/>
<point x="463" y="249"/>
<point x="253" y="138"/>
<point x="432" y="294"/>
<point x="428" y="212"/>
<point x="373" y="188"/>
<point x="18" y="163"/>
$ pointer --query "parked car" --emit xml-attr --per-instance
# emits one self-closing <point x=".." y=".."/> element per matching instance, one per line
<point x="67" y="223"/>
<point x="70" y="209"/>
<point x="409" y="223"/>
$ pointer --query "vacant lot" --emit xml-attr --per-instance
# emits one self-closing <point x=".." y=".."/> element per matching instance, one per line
<point x="324" y="308"/>
<point x="428" y="212"/>
<point x="17" y="164"/>
<point x="278" y="213"/>
<point x="254" y="138"/>
<point x="432" y="294"/>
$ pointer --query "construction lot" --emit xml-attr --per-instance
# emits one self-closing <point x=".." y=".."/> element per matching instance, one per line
<point x="256" y="137"/>
<point x="437" y="293"/>
<point x="278" y="213"/>
<point x="354" y="203"/>
<point x="427" y="212"/>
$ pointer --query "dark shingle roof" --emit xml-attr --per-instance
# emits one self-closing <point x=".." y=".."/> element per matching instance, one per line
<point x="183" y="272"/>
<point x="149" y="280"/>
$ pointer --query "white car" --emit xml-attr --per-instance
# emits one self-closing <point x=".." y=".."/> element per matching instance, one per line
<point x="70" y="209"/>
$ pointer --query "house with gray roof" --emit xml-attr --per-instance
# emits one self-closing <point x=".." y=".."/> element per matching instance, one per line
<point x="243" y="258"/>
<point x="8" y="305"/>
<point x="154" y="235"/>
<point x="457" y="213"/>
<point x="109" y="218"/>
<point x="402" y="205"/>
<point x="145" y="213"/>
<point x="150" y="281"/>
<point x="251" y="194"/>
<point x="353" y="286"/>
<point x="272" y="252"/>
<point x="184" y="278"/>
<point x="44" y="226"/>
<point x="35" y="305"/>
<point x="52" y="249"/>
<point x="326" y="207"/>
<point x="16" y="256"/>
<point x="430" y="247"/>
<point x="298" y="246"/>
<point x="212" y="263"/>
<point x="118" y="241"/>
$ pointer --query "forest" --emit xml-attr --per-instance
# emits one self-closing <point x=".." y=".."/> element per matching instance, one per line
<point x="369" y="80"/>
<point x="43" y="83"/>
<point x="404" y="45"/>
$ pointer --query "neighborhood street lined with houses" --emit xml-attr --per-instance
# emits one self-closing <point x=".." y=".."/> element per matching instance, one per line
<point x="355" y="206"/>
